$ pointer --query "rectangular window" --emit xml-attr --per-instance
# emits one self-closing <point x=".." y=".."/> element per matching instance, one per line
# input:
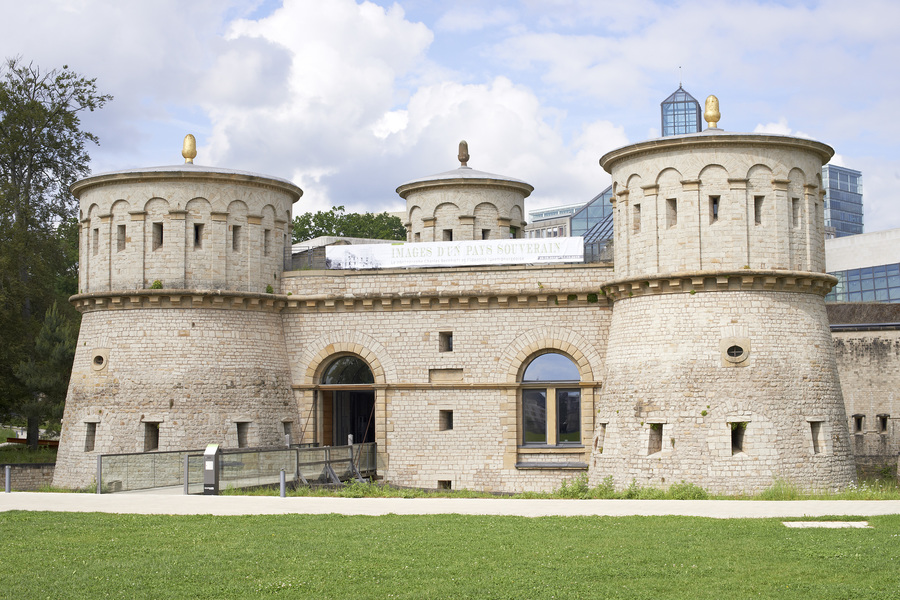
<point x="599" y="438"/>
<point x="236" y="238"/>
<point x="513" y="233"/>
<point x="417" y="237"/>
<point x="636" y="218"/>
<point x="157" y="236"/>
<point x="568" y="416"/>
<point x="444" y="484"/>
<point x="713" y="209"/>
<point x="242" y="430"/>
<point x="267" y="234"/>
<point x="448" y="235"/>
<point x="815" y="428"/>
<point x="198" y="235"/>
<point x="151" y="437"/>
<point x="120" y="238"/>
<point x="758" y="209"/>
<point x="485" y="234"/>
<point x="795" y="212"/>
<point x="882" y="423"/>
<point x="445" y="420"/>
<point x="534" y="416"/>
<point x="655" y="443"/>
<point x="95" y="242"/>
<point x="287" y="432"/>
<point x="859" y="423"/>
<point x="90" y="436"/>
<point x="445" y="341"/>
<point x="671" y="212"/>
<point x="737" y="437"/>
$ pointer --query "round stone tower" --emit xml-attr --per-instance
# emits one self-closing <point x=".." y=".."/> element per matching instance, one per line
<point x="464" y="204"/>
<point x="181" y="340"/>
<point x="720" y="366"/>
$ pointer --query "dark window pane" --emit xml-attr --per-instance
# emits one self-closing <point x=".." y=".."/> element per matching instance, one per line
<point x="347" y="370"/>
<point x="534" y="413"/>
<point x="568" y="416"/>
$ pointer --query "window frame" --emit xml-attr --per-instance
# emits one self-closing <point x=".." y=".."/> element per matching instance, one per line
<point x="553" y="393"/>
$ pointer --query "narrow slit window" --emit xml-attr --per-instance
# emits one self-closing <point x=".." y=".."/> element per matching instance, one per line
<point x="120" y="238"/>
<point x="671" y="212"/>
<point x="636" y="218"/>
<point x="287" y="432"/>
<point x="738" y="429"/>
<point x="95" y="242"/>
<point x="485" y="234"/>
<point x="859" y="423"/>
<point x="758" y="209"/>
<point x="267" y="235"/>
<point x="882" y="422"/>
<point x="157" y="236"/>
<point x="198" y="235"/>
<point x="795" y="212"/>
<point x="151" y="437"/>
<point x="600" y="438"/>
<point x="815" y="429"/>
<point x="242" y="430"/>
<point x="236" y="238"/>
<point x="90" y="437"/>
<point x="655" y="443"/>
<point x="713" y="209"/>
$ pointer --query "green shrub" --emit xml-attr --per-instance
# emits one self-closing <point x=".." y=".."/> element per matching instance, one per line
<point x="157" y="285"/>
<point x="270" y="289"/>
<point x="687" y="491"/>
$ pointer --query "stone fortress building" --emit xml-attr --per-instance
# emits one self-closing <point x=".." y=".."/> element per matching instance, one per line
<point x="703" y="355"/>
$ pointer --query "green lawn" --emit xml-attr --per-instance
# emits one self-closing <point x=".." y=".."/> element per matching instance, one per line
<point x="60" y="555"/>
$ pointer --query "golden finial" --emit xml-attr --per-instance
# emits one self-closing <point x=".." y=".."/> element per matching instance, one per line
<point x="463" y="154"/>
<point x="711" y="114"/>
<point x="189" y="149"/>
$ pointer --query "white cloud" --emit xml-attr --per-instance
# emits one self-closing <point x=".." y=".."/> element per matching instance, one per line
<point x="780" y="128"/>
<point x="467" y="18"/>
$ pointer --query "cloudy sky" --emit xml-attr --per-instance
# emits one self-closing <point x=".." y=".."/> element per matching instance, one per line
<point x="351" y="99"/>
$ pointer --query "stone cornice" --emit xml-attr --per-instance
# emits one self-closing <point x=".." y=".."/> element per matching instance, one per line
<point x="717" y="281"/>
<point x="324" y="303"/>
<point x="133" y="299"/>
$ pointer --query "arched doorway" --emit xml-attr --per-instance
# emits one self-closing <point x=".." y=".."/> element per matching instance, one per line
<point x="348" y="401"/>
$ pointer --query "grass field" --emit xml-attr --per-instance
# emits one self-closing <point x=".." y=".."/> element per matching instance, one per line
<point x="22" y="454"/>
<point x="59" y="555"/>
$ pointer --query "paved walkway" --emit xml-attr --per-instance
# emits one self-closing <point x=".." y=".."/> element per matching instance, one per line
<point x="267" y="505"/>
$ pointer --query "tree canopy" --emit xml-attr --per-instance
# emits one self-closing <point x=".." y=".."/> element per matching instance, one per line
<point x="335" y="222"/>
<point x="42" y="151"/>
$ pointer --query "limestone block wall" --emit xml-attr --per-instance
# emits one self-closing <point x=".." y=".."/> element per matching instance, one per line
<point x="718" y="202"/>
<point x="499" y="319"/>
<point x="188" y="228"/>
<point x="191" y="366"/>
<point x="869" y="365"/>
<point x="673" y="392"/>
<point x="29" y="477"/>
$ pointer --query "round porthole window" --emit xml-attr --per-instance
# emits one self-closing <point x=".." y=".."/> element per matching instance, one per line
<point x="98" y="361"/>
<point x="735" y="354"/>
<point x="735" y="351"/>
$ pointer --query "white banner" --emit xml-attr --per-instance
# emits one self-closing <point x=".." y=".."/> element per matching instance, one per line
<point x="456" y="254"/>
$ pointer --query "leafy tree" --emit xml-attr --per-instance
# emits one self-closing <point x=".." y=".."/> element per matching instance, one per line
<point x="45" y="374"/>
<point x="336" y="223"/>
<point x="42" y="151"/>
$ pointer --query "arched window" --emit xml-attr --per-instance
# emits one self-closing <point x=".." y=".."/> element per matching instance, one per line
<point x="555" y="377"/>
<point x="347" y="370"/>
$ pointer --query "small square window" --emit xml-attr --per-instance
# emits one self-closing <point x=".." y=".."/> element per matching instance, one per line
<point x="445" y="341"/>
<point x="445" y="421"/>
<point x="485" y="234"/>
<point x="448" y="235"/>
<point x="444" y="484"/>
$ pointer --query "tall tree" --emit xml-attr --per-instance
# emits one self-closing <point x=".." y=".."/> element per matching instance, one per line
<point x="378" y="226"/>
<point x="42" y="151"/>
<point x="45" y="374"/>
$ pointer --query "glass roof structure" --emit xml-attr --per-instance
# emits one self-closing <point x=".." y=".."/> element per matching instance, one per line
<point x="680" y="114"/>
<point x="594" y="222"/>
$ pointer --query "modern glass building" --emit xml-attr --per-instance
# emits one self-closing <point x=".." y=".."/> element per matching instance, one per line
<point x="680" y="114"/>
<point x="867" y="267"/>
<point x="871" y="284"/>
<point x="594" y="222"/>
<point x="843" y="200"/>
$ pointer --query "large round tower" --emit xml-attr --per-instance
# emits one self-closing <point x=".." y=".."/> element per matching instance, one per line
<point x="181" y="341"/>
<point x="720" y="367"/>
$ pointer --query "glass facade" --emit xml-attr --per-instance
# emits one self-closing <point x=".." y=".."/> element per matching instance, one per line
<point x="843" y="200"/>
<point x="680" y="114"/>
<point x="871" y="284"/>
